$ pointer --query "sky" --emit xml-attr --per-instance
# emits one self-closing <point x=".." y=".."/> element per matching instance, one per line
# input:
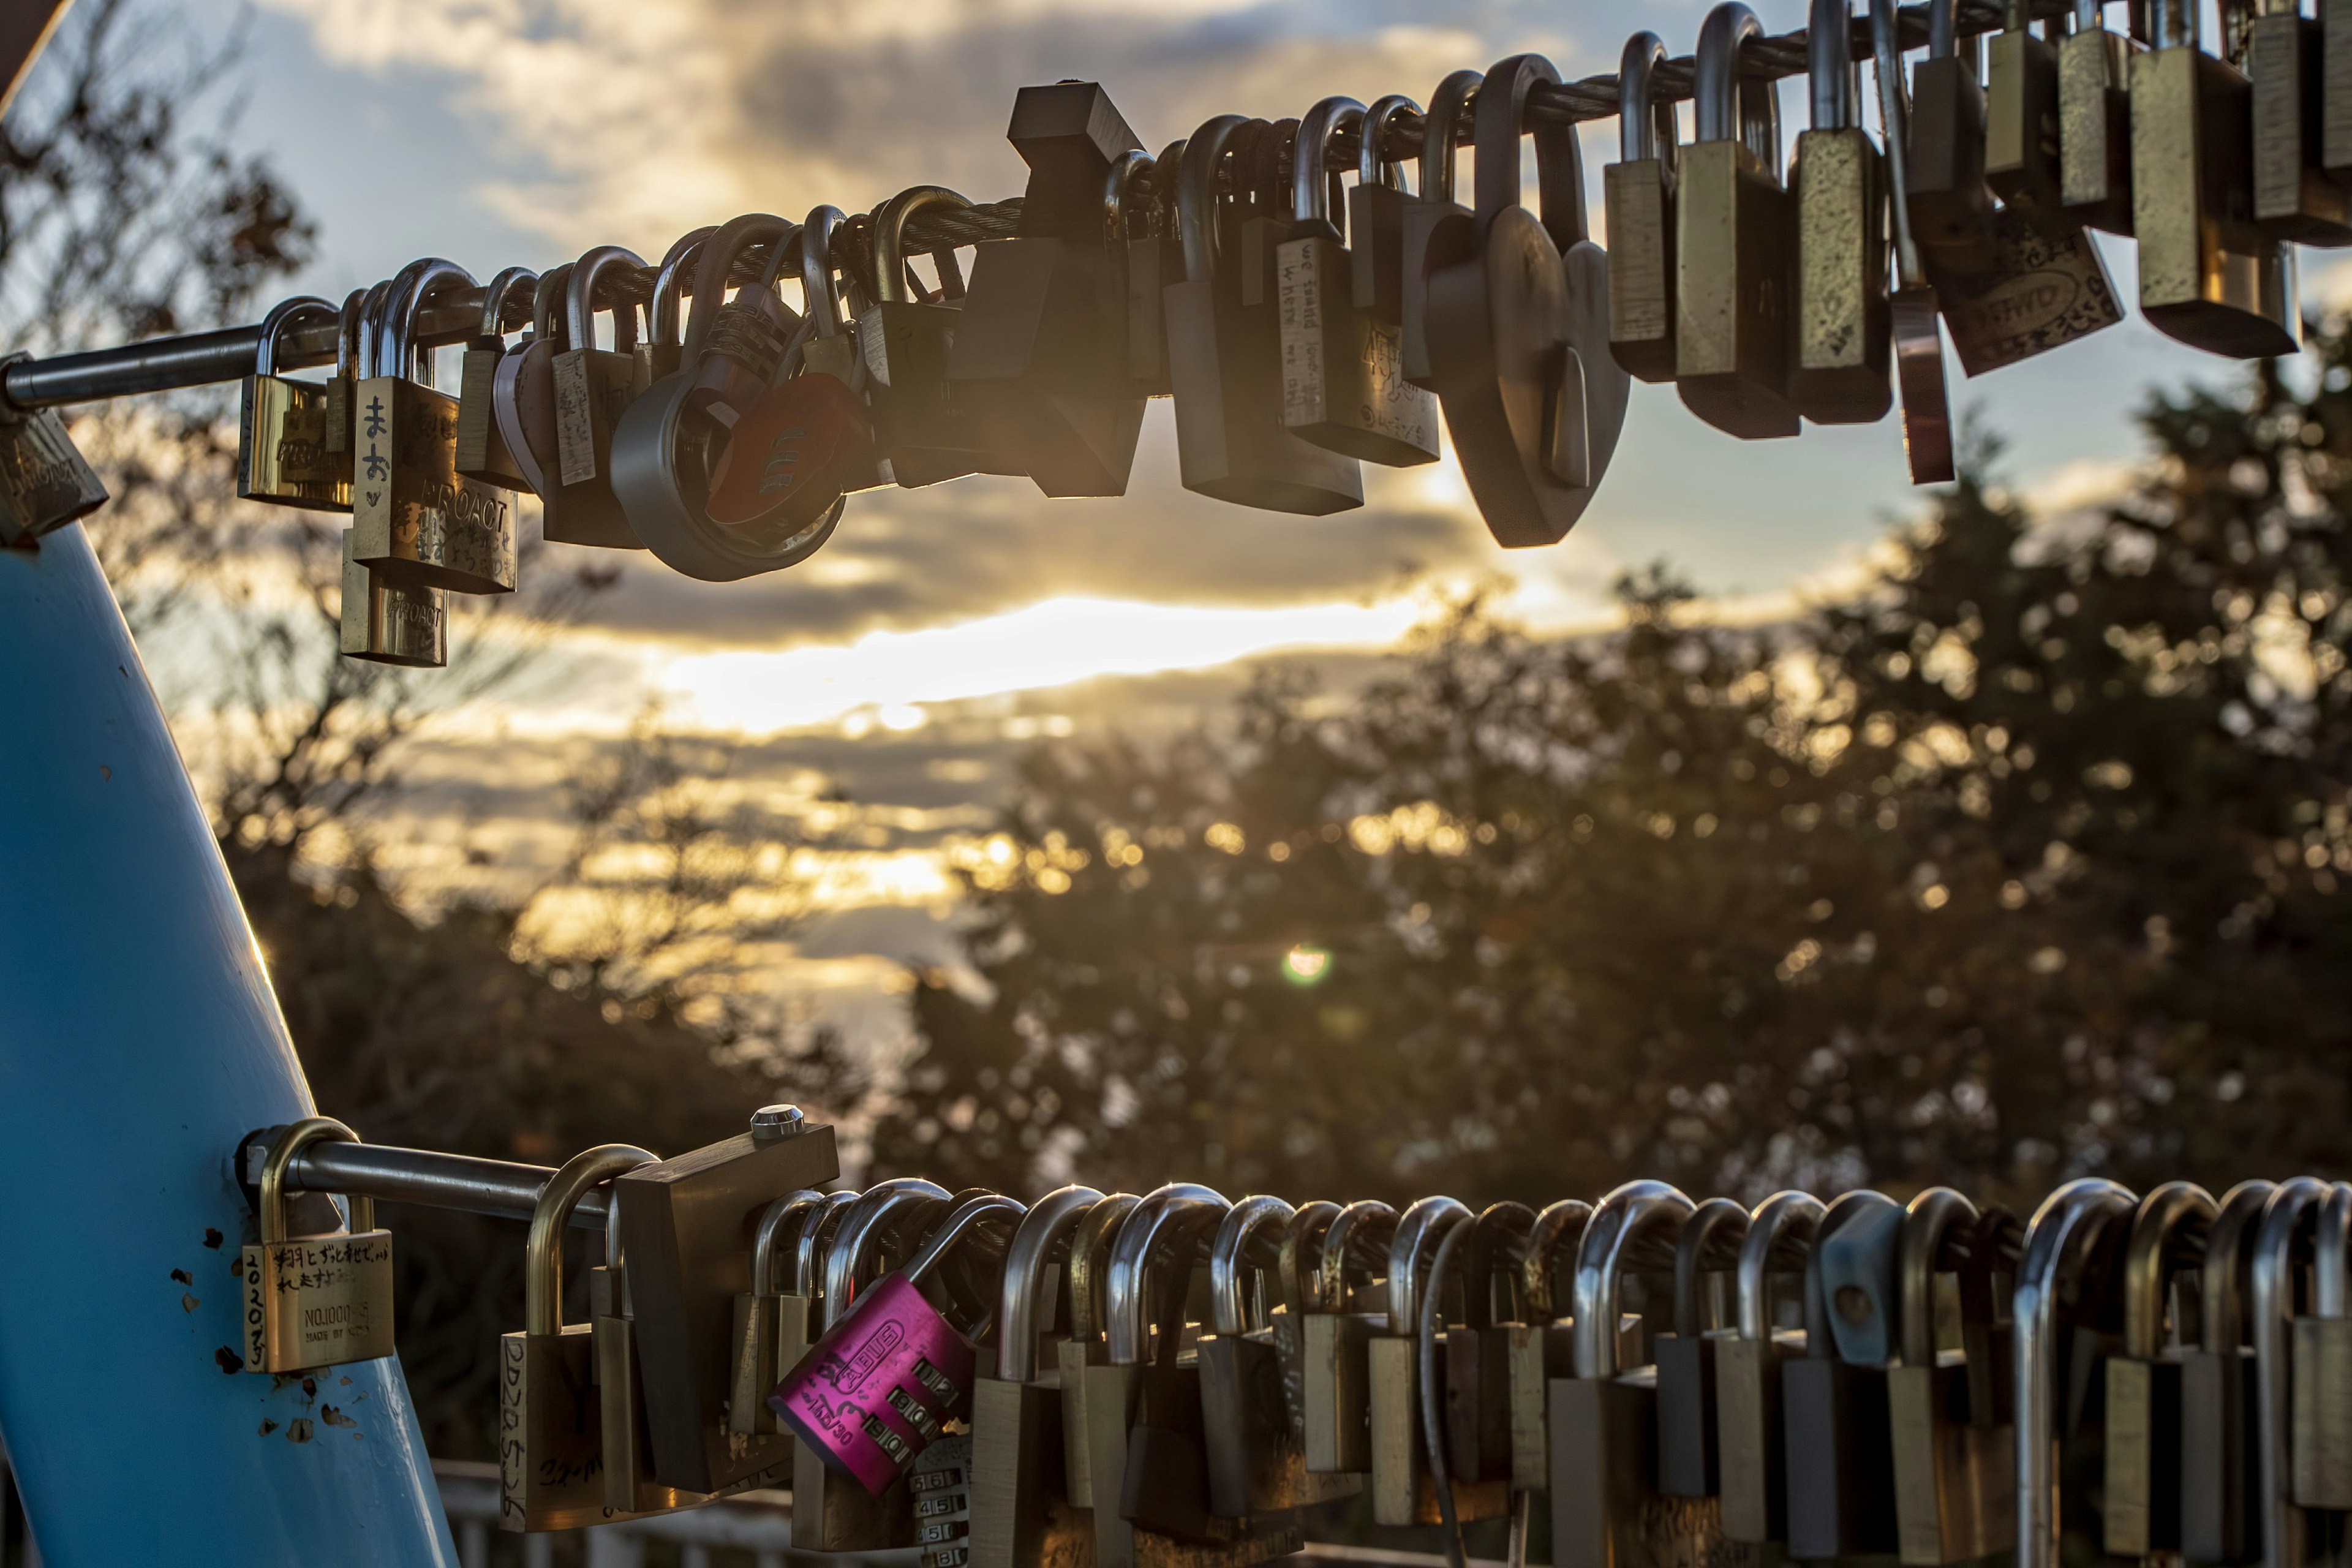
<point x="944" y="628"/>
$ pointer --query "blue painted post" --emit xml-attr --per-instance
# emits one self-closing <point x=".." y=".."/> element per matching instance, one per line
<point x="138" y="1042"/>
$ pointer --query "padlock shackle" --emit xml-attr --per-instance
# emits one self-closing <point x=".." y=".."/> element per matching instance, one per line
<point x="1502" y="120"/>
<point x="1374" y="167"/>
<point x="542" y="1269"/>
<point x="1241" y="1237"/>
<point x="1310" y="159"/>
<point x="792" y="1209"/>
<point x="1302" y="1255"/>
<point x="1042" y="1232"/>
<point x="2222" y="1279"/>
<point x="1168" y="1227"/>
<point x="1645" y="123"/>
<point x="661" y="314"/>
<point x="1863" y="1264"/>
<point x="547" y="305"/>
<point x="1118" y="184"/>
<point x="891" y="237"/>
<point x="292" y="1139"/>
<point x="2167" y="1233"/>
<point x="1943" y="29"/>
<point x="715" y="265"/>
<point x="809" y="1244"/>
<point x="346" y="332"/>
<point x="1633" y="1230"/>
<point x="1829" y="66"/>
<point x="500" y="295"/>
<point x="1491" y="1242"/>
<point x="1196" y="193"/>
<point x="1780" y="1241"/>
<point x="370" y="354"/>
<point x="1709" y="1243"/>
<point x="1938" y="1224"/>
<point x="2065" y="1232"/>
<point x="1418" y="1229"/>
<point x="2282" y="1248"/>
<point x="819" y="293"/>
<point x="1726" y="106"/>
<point x="1090" y="1260"/>
<point x="1894" y="120"/>
<point x="265" y="360"/>
<point x="1357" y="1244"/>
<point x="1441" y="133"/>
<point x="1560" y="1224"/>
<point x="410" y="290"/>
<point x="2332" y="1255"/>
<point x="963" y="1223"/>
<point x="579" y="297"/>
<point x="882" y="1214"/>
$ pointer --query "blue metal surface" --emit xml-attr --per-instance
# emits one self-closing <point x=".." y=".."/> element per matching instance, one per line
<point x="138" y="1041"/>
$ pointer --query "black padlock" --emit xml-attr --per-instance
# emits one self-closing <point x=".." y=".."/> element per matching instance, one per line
<point x="1835" y="1400"/>
<point x="1376" y="205"/>
<point x="1707" y="1256"/>
<point x="2220" y="1514"/>
<point x="1436" y="231"/>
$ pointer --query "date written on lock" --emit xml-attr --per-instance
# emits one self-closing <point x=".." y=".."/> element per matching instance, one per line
<point x="872" y="1393"/>
<point x="318" y="1302"/>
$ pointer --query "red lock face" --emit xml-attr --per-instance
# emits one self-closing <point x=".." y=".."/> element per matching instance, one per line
<point x="791" y="456"/>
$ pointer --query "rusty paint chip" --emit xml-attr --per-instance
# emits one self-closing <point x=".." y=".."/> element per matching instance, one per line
<point x="212" y="1238"/>
<point x="298" y="1430"/>
<point x="229" y="1360"/>
<point x="334" y="1417"/>
<point x="268" y="1426"/>
<point x="188" y="1302"/>
<point x="182" y="1276"/>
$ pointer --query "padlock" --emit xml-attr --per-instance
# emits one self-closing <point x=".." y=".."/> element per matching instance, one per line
<point x="1954" y="1461"/>
<point x="282" y="434"/>
<point x="2077" y="1227"/>
<point x="758" y="1323"/>
<point x="2322" y="1363"/>
<point x="1542" y="1344"/>
<point x="1638" y="197"/>
<point x="940" y="1486"/>
<point x="1706" y="1255"/>
<point x="1606" y="1509"/>
<point x="1833" y="1398"/>
<point x="890" y="1369"/>
<point x="1335" y="1378"/>
<point x="592" y="387"/>
<point x="1154" y="258"/>
<point x="2221" y="1480"/>
<point x="1021" y="1515"/>
<point x="800" y="1313"/>
<point x="833" y="349"/>
<point x="831" y="1509"/>
<point x="1403" y="1490"/>
<point x="1252" y="1439"/>
<point x="1086" y="1344"/>
<point x="1838" y="374"/>
<point x="314" y="1301"/>
<point x="1749" y="1370"/>
<point x="1478" y="1372"/>
<point x="2292" y="1536"/>
<point x="624" y="1439"/>
<point x="1224" y="361"/>
<point x="1914" y="313"/>
<point x="1143" y="1408"/>
<point x="1342" y="385"/>
<point x="734" y="348"/>
<point x="906" y="343"/>
<point x="1376" y="205"/>
<point x="522" y="386"/>
<point x="346" y="372"/>
<point x="414" y="519"/>
<point x="2140" y="1507"/>
<point x="391" y="623"/>
<point x="1949" y="203"/>
<point x="663" y="346"/>
<point x="2206" y="274"/>
<point x="551" y="1414"/>
<point x="2022" y="164"/>
<point x="1518" y="331"/>
<point x="2095" y="121"/>
<point x="1732" y="223"/>
<point x="1436" y="231"/>
<point x="481" y="451"/>
<point x="2295" y="197"/>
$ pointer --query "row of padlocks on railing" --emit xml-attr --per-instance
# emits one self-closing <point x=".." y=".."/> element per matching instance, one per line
<point x="1177" y="1377"/>
<point x="1304" y="326"/>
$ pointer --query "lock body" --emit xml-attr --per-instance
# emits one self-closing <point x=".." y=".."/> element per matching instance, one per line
<point x="1640" y="197"/>
<point x="317" y="1301"/>
<point x="390" y="622"/>
<point x="414" y="519"/>
<point x="872" y="1393"/>
<point x="2094" y="128"/>
<point x="281" y="448"/>
<point x="1843" y="330"/>
<point x="1731" y="320"/>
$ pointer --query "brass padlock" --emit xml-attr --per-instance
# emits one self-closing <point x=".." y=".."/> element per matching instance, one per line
<point x="391" y="623"/>
<point x="1252" y="1432"/>
<point x="1833" y="1399"/>
<point x="414" y="519"/>
<point x="358" y="305"/>
<point x="281" y="434"/>
<point x="1342" y="383"/>
<point x="2322" y="1359"/>
<point x="1542" y="1344"/>
<point x="1477" y="1350"/>
<point x="1606" y="1509"/>
<point x="2221" y="1484"/>
<point x="1748" y="1370"/>
<point x="1402" y="1486"/>
<point x="1731" y="243"/>
<point x="551" y="1412"/>
<point x="1638" y="197"/>
<point x="45" y="482"/>
<point x="2295" y="197"/>
<point x="1955" y="1460"/>
<point x="1335" y="1379"/>
<point x="481" y="451"/>
<point x="758" y="1326"/>
<point x="1840" y="372"/>
<point x="1436" y="231"/>
<point x="314" y="1301"/>
<point x="1086" y="1345"/>
<point x="1376" y="205"/>
<point x="2095" y="121"/>
<point x="1022" y="1514"/>
<point x="592" y="388"/>
<point x="2140" y="1508"/>
<point x="2022" y="163"/>
<point x="2075" y="1225"/>
<point x="1949" y="203"/>
<point x="1914" y="313"/>
<point x="1707" y="1256"/>
<point x="2284" y="1256"/>
<point x="2206" y="274"/>
<point x="623" y="1434"/>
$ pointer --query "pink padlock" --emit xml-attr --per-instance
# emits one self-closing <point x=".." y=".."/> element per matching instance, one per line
<point x="871" y="1393"/>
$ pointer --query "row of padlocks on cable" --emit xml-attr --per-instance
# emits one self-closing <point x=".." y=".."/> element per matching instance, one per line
<point x="1127" y="1379"/>
<point x="1305" y="326"/>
